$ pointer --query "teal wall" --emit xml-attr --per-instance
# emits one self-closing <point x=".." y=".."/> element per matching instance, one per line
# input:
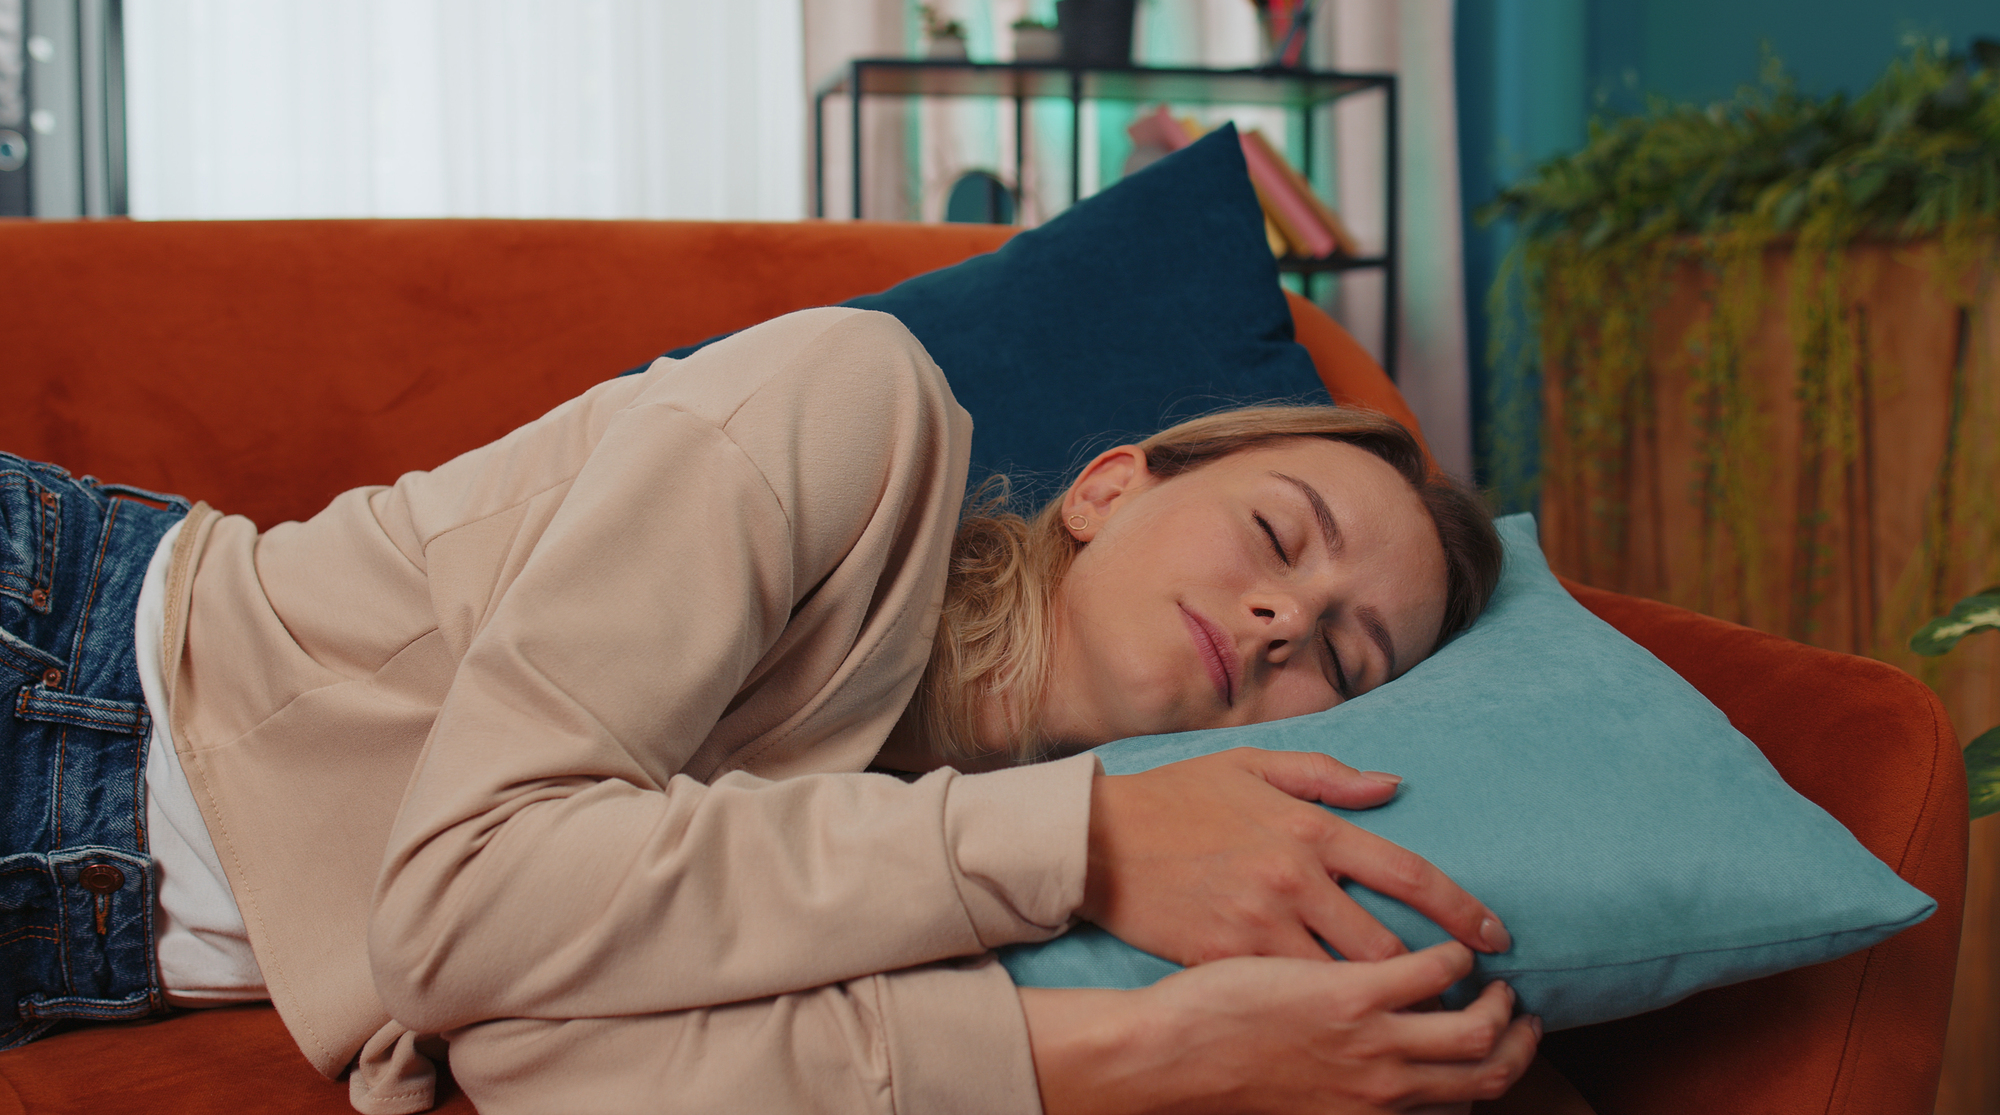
<point x="1701" y="50"/>
<point x="1531" y="72"/>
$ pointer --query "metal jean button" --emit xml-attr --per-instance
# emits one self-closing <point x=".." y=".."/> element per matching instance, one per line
<point x="101" y="878"/>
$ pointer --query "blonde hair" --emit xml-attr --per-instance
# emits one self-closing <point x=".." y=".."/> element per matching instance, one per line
<point x="995" y="636"/>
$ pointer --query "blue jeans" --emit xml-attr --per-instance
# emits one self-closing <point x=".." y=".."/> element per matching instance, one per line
<point x="76" y="882"/>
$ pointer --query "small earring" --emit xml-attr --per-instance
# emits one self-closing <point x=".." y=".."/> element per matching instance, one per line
<point x="1078" y="522"/>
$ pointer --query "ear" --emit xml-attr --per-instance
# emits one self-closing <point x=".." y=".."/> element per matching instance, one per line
<point x="1100" y="488"/>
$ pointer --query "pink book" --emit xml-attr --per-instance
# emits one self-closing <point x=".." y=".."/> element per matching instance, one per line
<point x="1294" y="214"/>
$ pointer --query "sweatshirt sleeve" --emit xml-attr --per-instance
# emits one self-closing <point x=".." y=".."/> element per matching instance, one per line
<point x="861" y="1046"/>
<point x="572" y="844"/>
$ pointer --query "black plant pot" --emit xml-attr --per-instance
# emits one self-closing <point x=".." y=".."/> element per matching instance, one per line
<point x="1096" y="32"/>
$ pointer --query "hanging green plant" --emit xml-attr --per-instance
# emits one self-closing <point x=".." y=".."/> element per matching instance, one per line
<point x="1918" y="154"/>
<point x="1914" y="158"/>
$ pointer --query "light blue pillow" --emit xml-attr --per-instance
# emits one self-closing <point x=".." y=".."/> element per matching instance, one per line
<point x="1638" y="847"/>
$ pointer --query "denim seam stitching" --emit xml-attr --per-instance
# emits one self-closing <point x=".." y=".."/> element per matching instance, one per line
<point x="62" y="907"/>
<point x="50" y="534"/>
<point x="55" y="802"/>
<point x="96" y="581"/>
<point x="142" y="729"/>
<point x="7" y="1036"/>
<point x="12" y="648"/>
<point x="46" y="529"/>
<point x="79" y="714"/>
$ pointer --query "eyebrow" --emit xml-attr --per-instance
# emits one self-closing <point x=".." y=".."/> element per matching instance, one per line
<point x="1370" y="619"/>
<point x="1329" y="529"/>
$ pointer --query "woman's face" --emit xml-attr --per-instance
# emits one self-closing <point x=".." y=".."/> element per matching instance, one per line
<point x="1274" y="582"/>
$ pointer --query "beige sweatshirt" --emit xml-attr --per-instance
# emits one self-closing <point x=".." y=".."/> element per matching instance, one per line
<point x="573" y="726"/>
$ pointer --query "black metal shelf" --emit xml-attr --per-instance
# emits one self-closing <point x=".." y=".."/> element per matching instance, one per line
<point x="1296" y="265"/>
<point x="1304" y="92"/>
<point x="1286" y="88"/>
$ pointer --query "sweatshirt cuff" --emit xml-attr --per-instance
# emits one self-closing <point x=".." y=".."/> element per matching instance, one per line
<point x="985" y="1063"/>
<point x="1020" y="841"/>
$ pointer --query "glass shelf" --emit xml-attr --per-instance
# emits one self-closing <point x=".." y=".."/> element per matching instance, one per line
<point x="939" y="77"/>
<point x="1297" y="91"/>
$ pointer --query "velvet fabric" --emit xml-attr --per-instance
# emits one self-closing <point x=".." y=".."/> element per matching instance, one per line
<point x="266" y="366"/>
<point x="1638" y="847"/>
<point x="1150" y="302"/>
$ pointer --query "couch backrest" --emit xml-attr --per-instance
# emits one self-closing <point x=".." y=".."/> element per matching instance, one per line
<point x="267" y="365"/>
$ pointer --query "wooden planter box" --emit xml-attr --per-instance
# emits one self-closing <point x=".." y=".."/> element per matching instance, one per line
<point x="1840" y="512"/>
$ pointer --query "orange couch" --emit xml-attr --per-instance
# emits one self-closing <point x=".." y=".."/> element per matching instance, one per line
<point x="266" y="366"/>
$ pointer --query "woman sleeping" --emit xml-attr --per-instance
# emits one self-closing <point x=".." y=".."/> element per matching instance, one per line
<point x="576" y="754"/>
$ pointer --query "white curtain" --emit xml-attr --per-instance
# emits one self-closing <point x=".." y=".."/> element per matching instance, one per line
<point x="837" y="32"/>
<point x="516" y="108"/>
<point x="1413" y="40"/>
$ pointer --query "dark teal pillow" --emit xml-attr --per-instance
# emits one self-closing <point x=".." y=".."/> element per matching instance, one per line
<point x="1154" y="300"/>
<point x="1638" y="847"/>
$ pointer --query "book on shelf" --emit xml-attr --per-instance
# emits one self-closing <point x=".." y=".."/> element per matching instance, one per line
<point x="1296" y="222"/>
<point x="1292" y="214"/>
<point x="1330" y="220"/>
<point x="1276" y="239"/>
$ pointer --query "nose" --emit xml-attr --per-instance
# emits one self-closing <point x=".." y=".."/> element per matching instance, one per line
<point x="1283" y="624"/>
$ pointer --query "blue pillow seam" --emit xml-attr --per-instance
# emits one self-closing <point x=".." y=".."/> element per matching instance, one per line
<point x="1899" y="925"/>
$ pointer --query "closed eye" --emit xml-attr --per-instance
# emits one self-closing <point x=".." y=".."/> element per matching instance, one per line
<point x="1273" y="536"/>
<point x="1340" y="682"/>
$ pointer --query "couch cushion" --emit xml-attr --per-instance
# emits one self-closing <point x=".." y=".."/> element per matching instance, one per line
<point x="233" y="1059"/>
<point x="1639" y="848"/>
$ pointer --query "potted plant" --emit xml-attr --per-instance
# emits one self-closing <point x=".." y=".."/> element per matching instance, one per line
<point x="1096" y="32"/>
<point x="1285" y="24"/>
<point x="1035" y="41"/>
<point x="1752" y="321"/>
<point x="943" y="37"/>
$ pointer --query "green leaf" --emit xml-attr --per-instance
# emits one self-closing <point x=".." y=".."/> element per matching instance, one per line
<point x="1789" y="209"/>
<point x="1982" y="772"/>
<point x="1977" y="612"/>
<point x="1862" y="188"/>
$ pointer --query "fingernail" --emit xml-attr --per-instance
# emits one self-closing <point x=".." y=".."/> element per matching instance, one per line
<point x="1383" y="776"/>
<point x="1495" y="935"/>
<point x="1535" y="1024"/>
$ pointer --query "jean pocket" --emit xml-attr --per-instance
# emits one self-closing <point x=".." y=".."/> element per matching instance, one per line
<point x="30" y="527"/>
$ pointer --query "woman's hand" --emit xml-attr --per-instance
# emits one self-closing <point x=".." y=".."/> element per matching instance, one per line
<point x="1276" y="1036"/>
<point x="1224" y="855"/>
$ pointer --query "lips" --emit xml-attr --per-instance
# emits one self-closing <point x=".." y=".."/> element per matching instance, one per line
<point x="1213" y="646"/>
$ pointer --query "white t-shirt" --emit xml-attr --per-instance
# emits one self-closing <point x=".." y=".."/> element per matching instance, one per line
<point x="205" y="957"/>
